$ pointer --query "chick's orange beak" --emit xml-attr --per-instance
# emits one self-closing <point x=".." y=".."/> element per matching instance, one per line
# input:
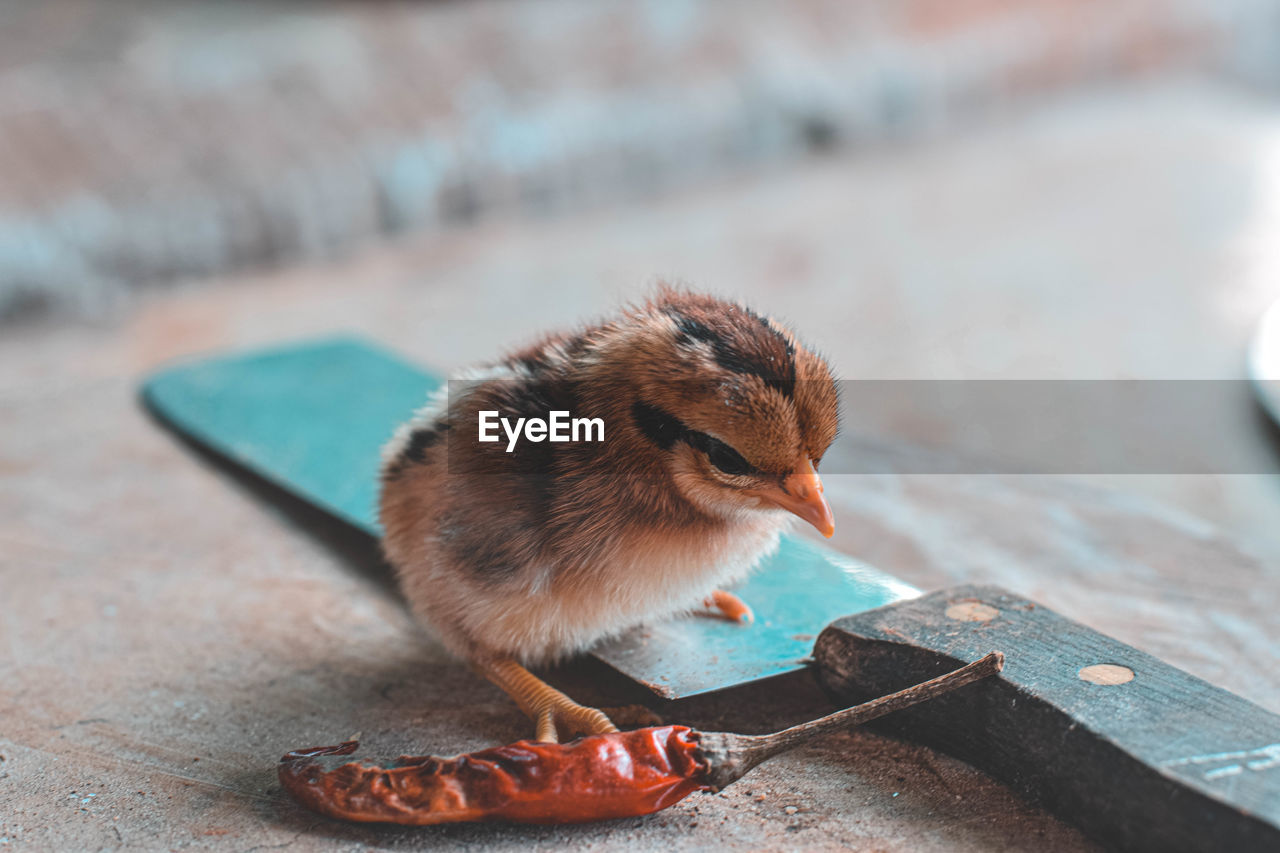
<point x="801" y="493"/>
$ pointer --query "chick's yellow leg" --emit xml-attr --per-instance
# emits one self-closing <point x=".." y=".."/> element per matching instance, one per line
<point x="730" y="606"/>
<point x="552" y="712"/>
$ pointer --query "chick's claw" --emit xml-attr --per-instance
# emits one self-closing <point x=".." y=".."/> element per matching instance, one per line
<point x="730" y="606"/>
<point x="567" y="720"/>
<point x="553" y="713"/>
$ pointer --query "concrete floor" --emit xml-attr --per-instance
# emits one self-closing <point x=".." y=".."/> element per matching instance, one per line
<point x="169" y="629"/>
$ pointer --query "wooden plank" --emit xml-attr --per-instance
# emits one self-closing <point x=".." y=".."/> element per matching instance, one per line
<point x="1135" y="752"/>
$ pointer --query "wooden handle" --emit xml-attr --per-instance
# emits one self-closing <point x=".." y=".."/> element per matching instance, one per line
<point x="1135" y="752"/>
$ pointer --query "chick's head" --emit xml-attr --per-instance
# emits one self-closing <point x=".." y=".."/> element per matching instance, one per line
<point x="739" y="412"/>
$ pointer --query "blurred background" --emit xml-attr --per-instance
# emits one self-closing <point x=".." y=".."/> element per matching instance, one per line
<point x="941" y="189"/>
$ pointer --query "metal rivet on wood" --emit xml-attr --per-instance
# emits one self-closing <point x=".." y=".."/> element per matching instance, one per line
<point x="1106" y="674"/>
<point x="971" y="610"/>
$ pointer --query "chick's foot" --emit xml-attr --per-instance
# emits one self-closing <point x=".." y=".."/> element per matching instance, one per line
<point x="730" y="606"/>
<point x="554" y="714"/>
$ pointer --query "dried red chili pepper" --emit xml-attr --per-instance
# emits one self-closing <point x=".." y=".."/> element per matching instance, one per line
<point x="594" y="778"/>
<point x="622" y="774"/>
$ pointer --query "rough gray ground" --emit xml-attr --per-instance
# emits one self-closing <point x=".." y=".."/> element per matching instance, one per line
<point x="167" y="630"/>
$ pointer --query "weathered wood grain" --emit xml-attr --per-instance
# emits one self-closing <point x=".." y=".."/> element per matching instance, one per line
<point x="1134" y="751"/>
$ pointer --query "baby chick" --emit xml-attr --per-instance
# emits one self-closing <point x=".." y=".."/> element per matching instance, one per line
<point x="715" y="421"/>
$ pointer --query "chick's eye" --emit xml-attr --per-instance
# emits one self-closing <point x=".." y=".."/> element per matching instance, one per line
<point x="726" y="458"/>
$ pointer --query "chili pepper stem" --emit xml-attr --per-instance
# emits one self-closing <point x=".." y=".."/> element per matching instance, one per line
<point x="732" y="756"/>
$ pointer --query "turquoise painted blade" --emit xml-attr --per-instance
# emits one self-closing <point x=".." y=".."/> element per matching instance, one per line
<point x="795" y="594"/>
<point x="312" y="418"/>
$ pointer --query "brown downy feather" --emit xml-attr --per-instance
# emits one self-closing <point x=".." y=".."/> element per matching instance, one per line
<point x="541" y="552"/>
